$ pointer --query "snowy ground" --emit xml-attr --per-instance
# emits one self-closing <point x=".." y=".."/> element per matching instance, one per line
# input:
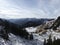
<point x="15" y="40"/>
<point x="38" y="39"/>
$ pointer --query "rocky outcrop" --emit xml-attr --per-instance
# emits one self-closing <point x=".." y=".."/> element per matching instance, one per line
<point x="56" y="24"/>
<point x="44" y="27"/>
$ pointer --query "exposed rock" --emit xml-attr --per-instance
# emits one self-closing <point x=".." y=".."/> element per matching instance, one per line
<point x="44" y="27"/>
<point x="56" y="24"/>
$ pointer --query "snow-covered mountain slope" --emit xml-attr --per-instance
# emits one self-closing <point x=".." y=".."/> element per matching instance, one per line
<point x="15" y="40"/>
<point x="38" y="39"/>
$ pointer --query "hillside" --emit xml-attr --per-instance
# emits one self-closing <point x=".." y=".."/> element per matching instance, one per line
<point x="39" y="32"/>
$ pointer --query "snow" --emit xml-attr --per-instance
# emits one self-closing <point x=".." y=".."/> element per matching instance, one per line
<point x="31" y="29"/>
<point x="16" y="40"/>
<point x="38" y="39"/>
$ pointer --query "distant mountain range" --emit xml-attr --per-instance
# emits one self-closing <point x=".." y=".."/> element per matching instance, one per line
<point x="29" y="22"/>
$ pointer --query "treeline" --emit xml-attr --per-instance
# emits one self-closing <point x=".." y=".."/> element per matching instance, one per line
<point x="14" y="29"/>
<point x="50" y="42"/>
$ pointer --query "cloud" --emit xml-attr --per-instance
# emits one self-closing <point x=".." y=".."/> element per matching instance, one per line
<point x="29" y="8"/>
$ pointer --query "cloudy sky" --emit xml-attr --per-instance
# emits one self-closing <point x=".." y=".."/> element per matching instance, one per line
<point x="29" y="9"/>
